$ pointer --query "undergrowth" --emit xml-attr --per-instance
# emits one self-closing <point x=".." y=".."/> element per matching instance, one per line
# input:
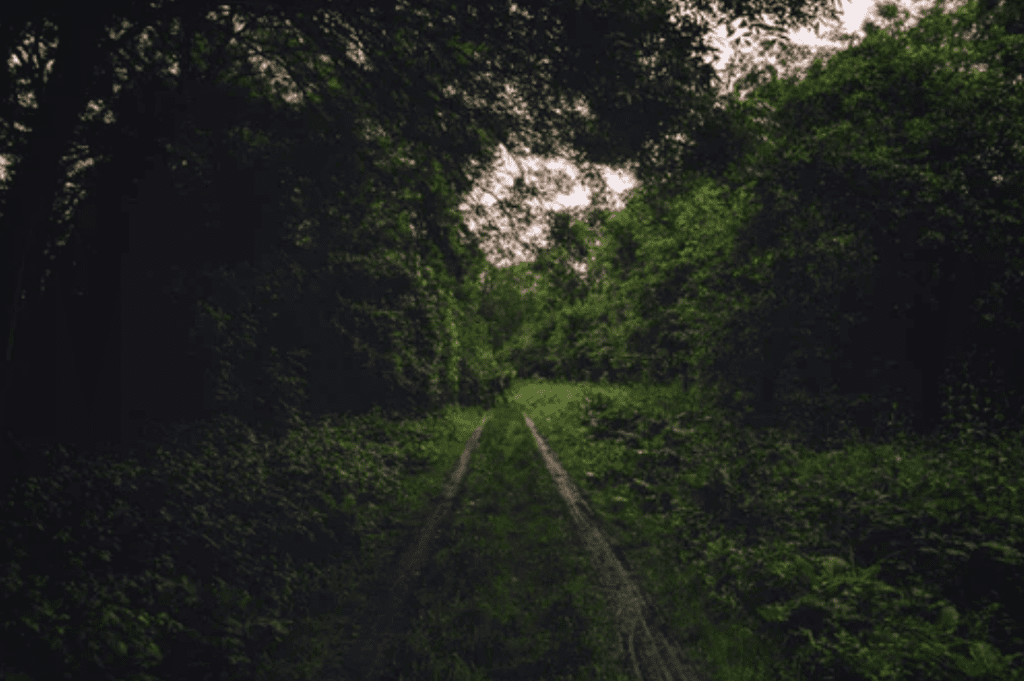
<point x="897" y="560"/>
<point x="221" y="554"/>
<point x="201" y="559"/>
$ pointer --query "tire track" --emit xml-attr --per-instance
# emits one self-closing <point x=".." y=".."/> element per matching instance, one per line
<point x="385" y="628"/>
<point x="653" y="656"/>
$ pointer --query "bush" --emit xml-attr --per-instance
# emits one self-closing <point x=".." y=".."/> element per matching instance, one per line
<point x="190" y="562"/>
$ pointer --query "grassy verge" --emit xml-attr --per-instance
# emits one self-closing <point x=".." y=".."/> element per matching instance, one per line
<point x="508" y="593"/>
<point x="893" y="561"/>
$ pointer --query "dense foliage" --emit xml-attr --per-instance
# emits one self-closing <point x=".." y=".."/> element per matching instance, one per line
<point x="313" y="89"/>
<point x="863" y="250"/>
<point x="280" y="264"/>
<point x="896" y="560"/>
<point x="199" y="560"/>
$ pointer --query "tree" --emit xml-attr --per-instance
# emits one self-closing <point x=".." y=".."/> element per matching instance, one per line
<point x="558" y="264"/>
<point x="881" y="251"/>
<point x="890" y="218"/>
<point x="508" y="300"/>
<point x="362" y="63"/>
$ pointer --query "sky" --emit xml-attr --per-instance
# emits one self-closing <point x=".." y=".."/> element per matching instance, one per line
<point x="492" y="186"/>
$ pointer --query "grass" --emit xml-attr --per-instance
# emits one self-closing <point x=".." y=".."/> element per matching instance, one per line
<point x="868" y="561"/>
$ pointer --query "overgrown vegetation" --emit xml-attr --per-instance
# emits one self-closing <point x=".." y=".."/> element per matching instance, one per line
<point x="861" y="247"/>
<point x="200" y="561"/>
<point x="509" y="593"/>
<point x="896" y="560"/>
<point x="794" y="371"/>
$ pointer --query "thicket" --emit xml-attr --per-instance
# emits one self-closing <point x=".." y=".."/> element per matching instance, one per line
<point x="842" y="295"/>
<point x="233" y="269"/>
<point x="861" y="252"/>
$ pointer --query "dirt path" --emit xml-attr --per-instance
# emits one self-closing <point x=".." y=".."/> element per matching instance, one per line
<point x="502" y="583"/>
<point x="652" y="656"/>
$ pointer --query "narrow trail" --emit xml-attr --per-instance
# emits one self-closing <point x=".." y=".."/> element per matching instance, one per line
<point x="511" y="578"/>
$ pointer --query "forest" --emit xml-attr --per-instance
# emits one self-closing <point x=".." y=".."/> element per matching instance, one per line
<point x="247" y="326"/>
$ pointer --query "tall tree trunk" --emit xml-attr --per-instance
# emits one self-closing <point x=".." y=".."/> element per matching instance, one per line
<point x="37" y="178"/>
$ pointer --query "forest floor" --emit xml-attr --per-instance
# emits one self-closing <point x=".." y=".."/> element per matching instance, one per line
<point x="575" y="531"/>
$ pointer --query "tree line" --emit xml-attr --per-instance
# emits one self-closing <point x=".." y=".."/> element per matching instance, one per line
<point x="840" y="249"/>
<point x="250" y="207"/>
<point x="278" y="237"/>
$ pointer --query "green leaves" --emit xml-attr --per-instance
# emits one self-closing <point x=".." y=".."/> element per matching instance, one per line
<point x="948" y="619"/>
<point x="216" y="550"/>
<point x="984" y="660"/>
<point x="880" y="151"/>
